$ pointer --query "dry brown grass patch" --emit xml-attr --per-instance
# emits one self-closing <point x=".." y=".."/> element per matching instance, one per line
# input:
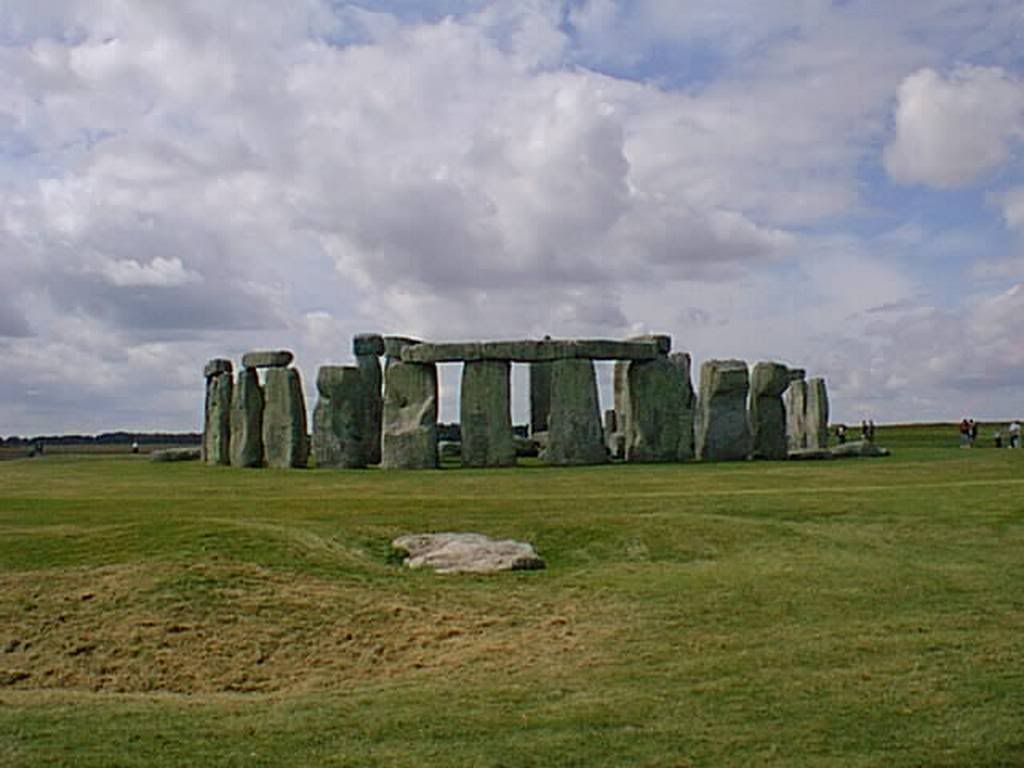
<point x="214" y="628"/>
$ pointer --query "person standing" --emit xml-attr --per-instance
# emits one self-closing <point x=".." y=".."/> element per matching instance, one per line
<point x="965" y="433"/>
<point x="1014" y="432"/>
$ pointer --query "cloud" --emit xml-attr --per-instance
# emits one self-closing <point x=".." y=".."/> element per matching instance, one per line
<point x="950" y="131"/>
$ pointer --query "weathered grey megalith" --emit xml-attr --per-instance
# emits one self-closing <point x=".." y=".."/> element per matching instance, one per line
<point x="339" y="418"/>
<point x="796" y="415"/>
<point x="367" y="348"/>
<point x="409" y="423"/>
<point x="485" y="416"/>
<point x="247" y="420"/>
<point x="540" y="397"/>
<point x="723" y="432"/>
<point x="575" y="435"/>
<point x="816" y="422"/>
<point x="274" y="358"/>
<point x="658" y="411"/>
<point x="285" y="441"/>
<point x="767" y="413"/>
<point x="216" y="445"/>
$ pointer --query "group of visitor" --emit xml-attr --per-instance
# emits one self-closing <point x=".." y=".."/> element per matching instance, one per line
<point x="1012" y="434"/>
<point x="968" y="433"/>
<point x="867" y="431"/>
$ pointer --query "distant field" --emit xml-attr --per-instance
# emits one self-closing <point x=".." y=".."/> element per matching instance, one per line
<point x="862" y="612"/>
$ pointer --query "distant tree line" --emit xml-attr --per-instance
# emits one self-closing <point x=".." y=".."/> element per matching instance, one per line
<point x="109" y="438"/>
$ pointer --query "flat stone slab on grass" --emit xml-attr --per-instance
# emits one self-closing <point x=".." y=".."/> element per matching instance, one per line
<point x="175" y="454"/>
<point x="854" y="449"/>
<point x="466" y="553"/>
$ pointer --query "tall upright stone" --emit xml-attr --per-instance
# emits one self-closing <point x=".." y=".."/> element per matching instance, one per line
<point x="575" y="435"/>
<point x="540" y="397"/>
<point x="409" y="422"/>
<point x="247" y="420"/>
<point x="285" y="441"/>
<point x="339" y="418"/>
<point x="816" y="423"/>
<point x="216" y="446"/>
<point x="658" y="412"/>
<point x="796" y="414"/>
<point x="485" y="415"/>
<point x="723" y="432"/>
<point x="683" y="362"/>
<point x="367" y="348"/>
<point x="767" y="412"/>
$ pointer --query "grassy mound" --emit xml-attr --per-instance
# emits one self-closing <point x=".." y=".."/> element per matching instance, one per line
<point x="846" y="613"/>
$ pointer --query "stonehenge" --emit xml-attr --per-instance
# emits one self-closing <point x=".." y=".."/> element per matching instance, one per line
<point x="368" y="414"/>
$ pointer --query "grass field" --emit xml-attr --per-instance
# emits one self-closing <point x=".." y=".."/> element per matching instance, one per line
<point x="850" y="613"/>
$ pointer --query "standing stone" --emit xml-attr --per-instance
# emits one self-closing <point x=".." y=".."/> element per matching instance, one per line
<point x="216" y="447"/>
<point x="767" y="413"/>
<point x="574" y="429"/>
<point x="796" y="415"/>
<point x="723" y="432"/>
<point x="614" y="440"/>
<point x="372" y="378"/>
<point x="285" y="441"/>
<point x="659" y="412"/>
<point x="247" y="420"/>
<point x="409" y="423"/>
<point x="339" y="418"/>
<point x="540" y="397"/>
<point x="683" y="362"/>
<point x="485" y="416"/>
<point x="367" y="348"/>
<point x="817" y="414"/>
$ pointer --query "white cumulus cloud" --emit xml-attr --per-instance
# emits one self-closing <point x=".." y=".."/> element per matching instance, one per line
<point x="951" y="130"/>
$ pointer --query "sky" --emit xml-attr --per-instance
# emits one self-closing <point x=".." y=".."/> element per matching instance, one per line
<point x="837" y="185"/>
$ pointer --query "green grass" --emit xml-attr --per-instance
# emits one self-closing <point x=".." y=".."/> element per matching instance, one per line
<point x="850" y="613"/>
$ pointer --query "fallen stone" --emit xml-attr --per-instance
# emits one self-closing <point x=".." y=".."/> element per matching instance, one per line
<point x="368" y="344"/>
<point x="175" y="454"/>
<point x="409" y="422"/>
<point x="811" y="454"/>
<point x="216" y="367"/>
<point x="285" y="441"/>
<point x="575" y="435"/>
<point x="247" y="420"/>
<point x="339" y="418"/>
<point x="858" y="448"/>
<point x="527" y="447"/>
<point x="278" y="358"/>
<point x="217" y="420"/>
<point x="449" y="449"/>
<point x="485" y="415"/>
<point x="531" y="351"/>
<point x="466" y="553"/>
<point x="768" y="381"/>
<point x="723" y="432"/>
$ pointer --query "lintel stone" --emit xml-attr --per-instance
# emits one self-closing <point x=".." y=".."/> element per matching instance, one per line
<point x="367" y="344"/>
<point x="216" y="367"/>
<point x="275" y="358"/>
<point x="531" y="351"/>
